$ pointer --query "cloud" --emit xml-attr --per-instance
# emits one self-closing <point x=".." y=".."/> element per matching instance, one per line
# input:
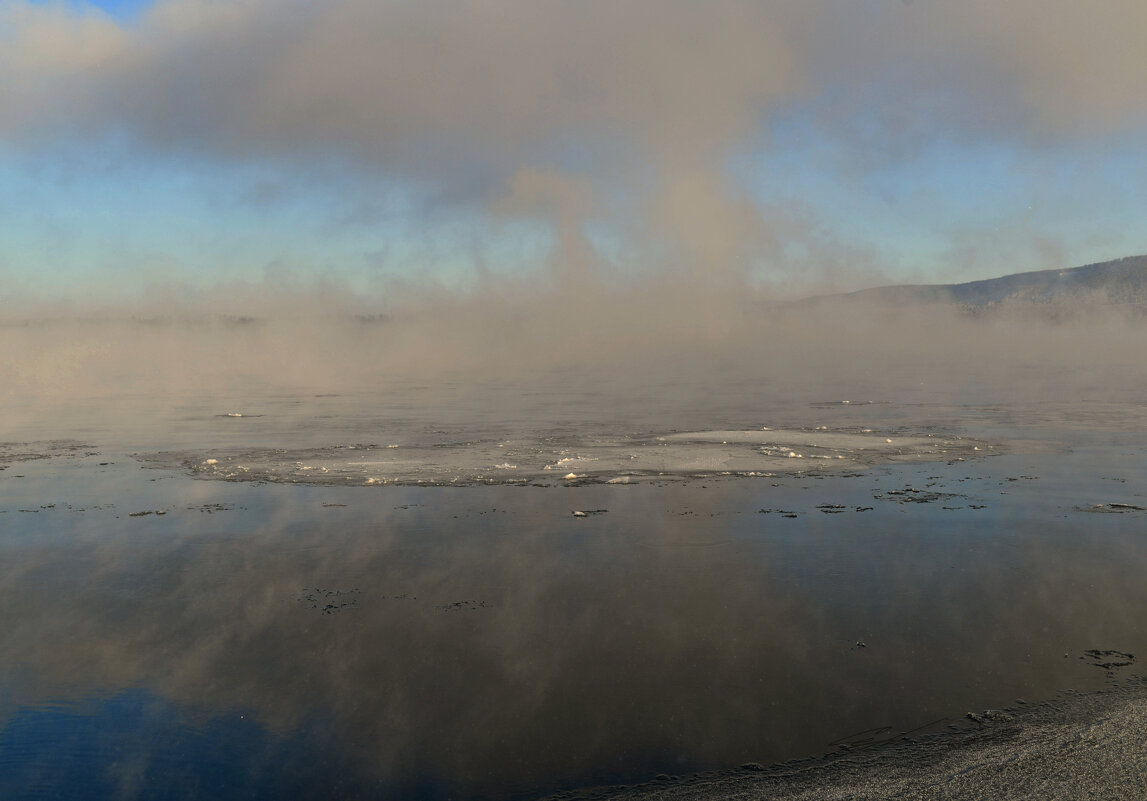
<point x="44" y="50"/>
<point x="428" y="87"/>
<point x="419" y="87"/>
<point x="1075" y="68"/>
<point x="465" y="102"/>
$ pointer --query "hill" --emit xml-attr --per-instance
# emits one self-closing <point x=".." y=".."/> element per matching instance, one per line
<point x="1121" y="283"/>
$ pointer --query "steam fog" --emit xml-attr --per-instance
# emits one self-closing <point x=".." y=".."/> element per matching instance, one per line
<point x="689" y="270"/>
<point x="499" y="192"/>
<point x="673" y="345"/>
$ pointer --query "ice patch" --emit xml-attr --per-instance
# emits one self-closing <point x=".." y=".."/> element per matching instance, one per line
<point x="617" y="459"/>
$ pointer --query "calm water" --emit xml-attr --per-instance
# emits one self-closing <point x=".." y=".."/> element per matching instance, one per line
<point x="267" y="641"/>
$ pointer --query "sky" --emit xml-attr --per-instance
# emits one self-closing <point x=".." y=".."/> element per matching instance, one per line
<point x="151" y="148"/>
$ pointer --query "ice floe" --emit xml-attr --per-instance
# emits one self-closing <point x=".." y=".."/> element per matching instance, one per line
<point x="605" y="459"/>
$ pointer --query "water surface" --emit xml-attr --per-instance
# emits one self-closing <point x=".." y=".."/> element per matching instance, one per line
<point x="170" y="636"/>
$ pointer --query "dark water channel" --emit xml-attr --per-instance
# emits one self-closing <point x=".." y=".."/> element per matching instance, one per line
<point x="259" y="641"/>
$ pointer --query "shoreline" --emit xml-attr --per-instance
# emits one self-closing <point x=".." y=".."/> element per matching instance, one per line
<point x="1078" y="745"/>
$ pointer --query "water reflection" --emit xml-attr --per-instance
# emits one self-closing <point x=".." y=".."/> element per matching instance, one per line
<point x="484" y="642"/>
<point x="138" y="745"/>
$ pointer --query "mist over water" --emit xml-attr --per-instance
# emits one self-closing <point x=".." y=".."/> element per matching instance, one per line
<point x="484" y="642"/>
<point x="677" y="346"/>
<point x="447" y="400"/>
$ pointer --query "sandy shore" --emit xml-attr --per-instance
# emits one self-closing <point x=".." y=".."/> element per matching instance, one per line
<point x="1079" y="746"/>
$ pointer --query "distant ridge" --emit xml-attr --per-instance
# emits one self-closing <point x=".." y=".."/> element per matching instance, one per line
<point x="1121" y="282"/>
